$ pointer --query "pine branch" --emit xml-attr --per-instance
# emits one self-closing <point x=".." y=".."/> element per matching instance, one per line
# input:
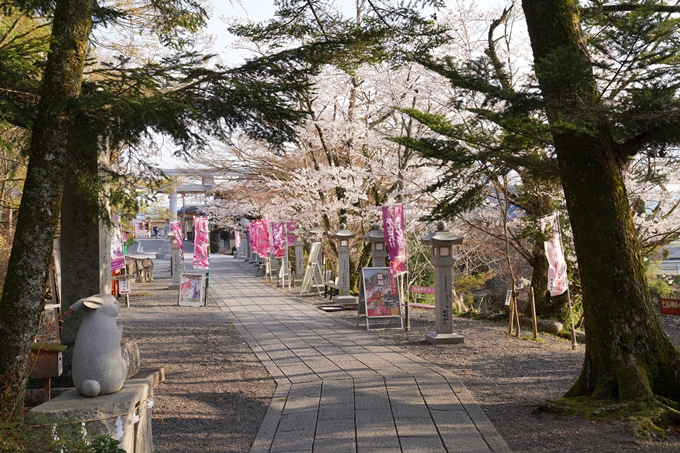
<point x="628" y="8"/>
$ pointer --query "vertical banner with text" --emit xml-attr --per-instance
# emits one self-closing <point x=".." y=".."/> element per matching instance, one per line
<point x="557" y="272"/>
<point x="117" y="255"/>
<point x="279" y="239"/>
<point x="201" y="243"/>
<point x="395" y="239"/>
<point x="292" y="226"/>
<point x="176" y="228"/>
<point x="261" y="239"/>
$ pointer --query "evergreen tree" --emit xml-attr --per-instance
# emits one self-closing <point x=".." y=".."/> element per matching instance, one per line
<point x="178" y="96"/>
<point x="602" y="96"/>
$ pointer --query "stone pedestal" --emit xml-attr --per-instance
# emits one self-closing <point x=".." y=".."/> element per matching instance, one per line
<point x="124" y="415"/>
<point x="444" y="338"/>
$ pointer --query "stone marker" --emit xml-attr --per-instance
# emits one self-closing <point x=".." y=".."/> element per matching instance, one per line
<point x="441" y="242"/>
<point x="299" y="256"/>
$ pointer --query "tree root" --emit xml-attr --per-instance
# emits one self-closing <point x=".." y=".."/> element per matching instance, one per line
<point x="656" y="418"/>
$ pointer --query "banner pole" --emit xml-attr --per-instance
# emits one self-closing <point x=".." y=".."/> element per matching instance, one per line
<point x="207" y="274"/>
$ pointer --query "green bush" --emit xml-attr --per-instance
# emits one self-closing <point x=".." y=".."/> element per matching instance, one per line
<point x="16" y="436"/>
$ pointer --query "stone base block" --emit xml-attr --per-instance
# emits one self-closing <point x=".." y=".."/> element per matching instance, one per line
<point x="344" y="300"/>
<point x="173" y="286"/>
<point x="130" y="353"/>
<point x="124" y="415"/>
<point x="444" y="338"/>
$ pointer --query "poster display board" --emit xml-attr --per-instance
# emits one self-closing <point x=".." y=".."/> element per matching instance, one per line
<point x="381" y="292"/>
<point x="191" y="287"/>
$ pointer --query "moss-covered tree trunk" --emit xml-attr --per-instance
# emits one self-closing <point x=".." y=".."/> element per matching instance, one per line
<point x="539" y="280"/>
<point x="23" y="296"/>
<point x="628" y="355"/>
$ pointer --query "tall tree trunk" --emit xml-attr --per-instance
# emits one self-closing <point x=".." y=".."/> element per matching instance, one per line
<point x="23" y="296"/>
<point x="539" y="280"/>
<point x="628" y="355"/>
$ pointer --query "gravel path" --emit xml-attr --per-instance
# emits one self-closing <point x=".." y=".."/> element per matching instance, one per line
<point x="216" y="391"/>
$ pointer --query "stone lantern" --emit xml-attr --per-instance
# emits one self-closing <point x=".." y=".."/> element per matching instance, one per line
<point x="344" y="237"/>
<point x="442" y="242"/>
<point x="377" y="239"/>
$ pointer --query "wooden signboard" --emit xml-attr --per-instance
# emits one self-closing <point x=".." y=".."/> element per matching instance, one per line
<point x="312" y="270"/>
<point x="669" y="306"/>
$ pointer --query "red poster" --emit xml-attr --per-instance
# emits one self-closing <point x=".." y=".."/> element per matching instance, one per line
<point x="669" y="306"/>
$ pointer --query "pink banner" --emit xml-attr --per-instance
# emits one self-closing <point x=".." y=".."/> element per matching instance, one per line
<point x="292" y="226"/>
<point x="177" y="230"/>
<point x="279" y="239"/>
<point x="557" y="272"/>
<point x="237" y="238"/>
<point x="117" y="256"/>
<point x="201" y="243"/>
<point x="261" y="237"/>
<point x="395" y="239"/>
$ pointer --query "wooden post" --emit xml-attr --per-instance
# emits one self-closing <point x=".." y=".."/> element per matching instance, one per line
<point x="533" y="312"/>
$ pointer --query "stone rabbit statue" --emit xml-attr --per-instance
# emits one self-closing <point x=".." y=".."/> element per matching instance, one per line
<point x="98" y="366"/>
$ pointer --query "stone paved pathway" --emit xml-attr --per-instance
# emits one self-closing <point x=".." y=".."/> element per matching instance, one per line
<point x="340" y="389"/>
